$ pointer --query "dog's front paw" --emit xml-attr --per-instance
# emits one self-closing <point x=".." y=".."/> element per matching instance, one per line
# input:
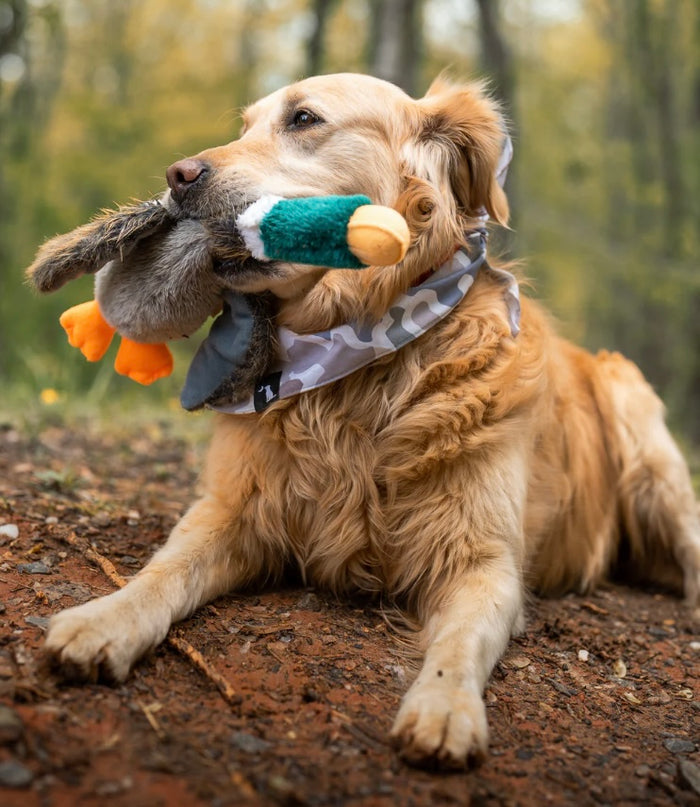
<point x="441" y="726"/>
<point x="100" y="639"/>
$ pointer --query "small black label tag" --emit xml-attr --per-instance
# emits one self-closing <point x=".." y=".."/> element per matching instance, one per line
<point x="267" y="390"/>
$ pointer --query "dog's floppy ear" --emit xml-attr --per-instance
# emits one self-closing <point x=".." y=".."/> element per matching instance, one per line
<point x="89" y="247"/>
<point x="463" y="130"/>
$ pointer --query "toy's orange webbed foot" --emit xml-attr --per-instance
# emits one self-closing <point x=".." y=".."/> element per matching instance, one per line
<point x="87" y="330"/>
<point x="143" y="363"/>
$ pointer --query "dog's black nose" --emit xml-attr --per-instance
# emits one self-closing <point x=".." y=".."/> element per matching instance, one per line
<point x="183" y="174"/>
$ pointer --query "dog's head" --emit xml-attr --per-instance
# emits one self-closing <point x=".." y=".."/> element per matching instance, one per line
<point x="434" y="159"/>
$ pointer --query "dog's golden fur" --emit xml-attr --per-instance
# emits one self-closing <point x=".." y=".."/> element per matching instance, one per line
<point x="449" y="476"/>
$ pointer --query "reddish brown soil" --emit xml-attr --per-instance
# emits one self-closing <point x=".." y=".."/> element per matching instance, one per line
<point x="317" y="681"/>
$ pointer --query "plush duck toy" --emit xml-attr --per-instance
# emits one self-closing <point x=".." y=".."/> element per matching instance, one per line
<point x="156" y="279"/>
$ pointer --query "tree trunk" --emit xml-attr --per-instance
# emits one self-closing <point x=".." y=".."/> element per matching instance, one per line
<point x="396" y="42"/>
<point x="497" y="65"/>
<point x="654" y="115"/>
<point x="246" y="85"/>
<point x="315" y="50"/>
<point x="665" y="92"/>
<point x="12" y="41"/>
<point x="496" y="59"/>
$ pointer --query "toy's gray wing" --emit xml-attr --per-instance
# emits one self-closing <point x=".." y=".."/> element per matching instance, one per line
<point x="88" y="248"/>
<point x="239" y="348"/>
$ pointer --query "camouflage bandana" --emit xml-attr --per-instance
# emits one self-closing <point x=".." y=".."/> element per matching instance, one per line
<point x="309" y="361"/>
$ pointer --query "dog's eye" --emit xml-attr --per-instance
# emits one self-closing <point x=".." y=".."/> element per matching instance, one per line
<point x="302" y="119"/>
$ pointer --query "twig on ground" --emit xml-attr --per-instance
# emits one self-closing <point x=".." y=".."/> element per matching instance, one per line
<point x="596" y="609"/>
<point x="197" y="659"/>
<point x="149" y="712"/>
<point x="106" y="565"/>
<point x="275" y="656"/>
<point x="266" y="630"/>
<point x="93" y="555"/>
<point x="177" y="642"/>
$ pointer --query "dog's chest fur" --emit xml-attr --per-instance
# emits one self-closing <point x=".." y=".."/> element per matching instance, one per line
<point x="361" y="456"/>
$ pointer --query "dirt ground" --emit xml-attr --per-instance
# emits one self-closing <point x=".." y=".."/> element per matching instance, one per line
<point x="597" y="703"/>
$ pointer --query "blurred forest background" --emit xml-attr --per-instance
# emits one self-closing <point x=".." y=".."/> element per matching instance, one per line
<point x="98" y="97"/>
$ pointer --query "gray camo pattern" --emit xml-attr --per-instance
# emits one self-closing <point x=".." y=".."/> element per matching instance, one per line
<point x="309" y="361"/>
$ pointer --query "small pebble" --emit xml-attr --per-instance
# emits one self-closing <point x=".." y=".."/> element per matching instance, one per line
<point x="11" y="726"/>
<point x="660" y="633"/>
<point x="50" y="520"/>
<point x="519" y="662"/>
<point x="114" y="788"/>
<point x="103" y="519"/>
<point x="10" y="531"/>
<point x="619" y="669"/>
<point x="282" y="788"/>
<point x="12" y="774"/>
<point x="689" y="775"/>
<point x="249" y="743"/>
<point x="642" y="771"/>
<point x="695" y="645"/>
<point x="309" y="602"/>
<point x="583" y="655"/>
<point x="36" y="567"/>
<point x="677" y="745"/>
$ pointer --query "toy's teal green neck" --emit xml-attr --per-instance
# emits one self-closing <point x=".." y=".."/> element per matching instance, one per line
<point x="309" y="230"/>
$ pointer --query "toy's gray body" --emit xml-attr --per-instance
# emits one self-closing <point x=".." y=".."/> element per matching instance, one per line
<point x="164" y="290"/>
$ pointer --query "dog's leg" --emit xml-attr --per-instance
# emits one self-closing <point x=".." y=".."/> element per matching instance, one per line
<point x="657" y="501"/>
<point x="205" y="556"/>
<point x="661" y="513"/>
<point x="443" y="717"/>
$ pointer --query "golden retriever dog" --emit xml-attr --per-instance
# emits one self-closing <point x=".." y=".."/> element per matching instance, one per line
<point x="450" y="476"/>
